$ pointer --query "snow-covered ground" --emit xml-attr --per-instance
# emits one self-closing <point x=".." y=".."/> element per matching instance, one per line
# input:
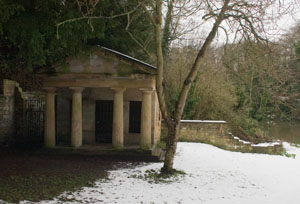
<point x="214" y="176"/>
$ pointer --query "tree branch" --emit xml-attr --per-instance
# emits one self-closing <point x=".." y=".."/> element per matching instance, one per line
<point x="193" y="72"/>
<point x="160" y="64"/>
<point x="93" y="17"/>
<point x="140" y="44"/>
<point x="148" y="14"/>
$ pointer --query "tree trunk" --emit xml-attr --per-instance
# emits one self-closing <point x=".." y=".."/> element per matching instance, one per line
<point x="167" y="33"/>
<point x="171" y="145"/>
<point x="173" y="122"/>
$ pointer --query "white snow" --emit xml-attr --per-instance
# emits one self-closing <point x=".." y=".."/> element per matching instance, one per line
<point x="214" y="176"/>
<point x="266" y="144"/>
<point x="242" y="141"/>
<point x="202" y="121"/>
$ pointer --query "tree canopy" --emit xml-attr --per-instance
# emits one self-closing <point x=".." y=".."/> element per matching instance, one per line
<point x="259" y="77"/>
<point x="30" y="37"/>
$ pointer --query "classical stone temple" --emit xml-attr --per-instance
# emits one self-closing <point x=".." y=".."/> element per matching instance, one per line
<point x="101" y="97"/>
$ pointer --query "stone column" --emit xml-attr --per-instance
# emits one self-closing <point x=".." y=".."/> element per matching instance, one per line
<point x="145" y="140"/>
<point x="118" y="123"/>
<point x="49" y="137"/>
<point x="76" y="132"/>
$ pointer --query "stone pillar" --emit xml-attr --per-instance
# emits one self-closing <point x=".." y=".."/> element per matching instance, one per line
<point x="7" y="110"/>
<point x="145" y="140"/>
<point x="76" y="132"/>
<point x="118" y="123"/>
<point x="49" y="137"/>
<point x="9" y="87"/>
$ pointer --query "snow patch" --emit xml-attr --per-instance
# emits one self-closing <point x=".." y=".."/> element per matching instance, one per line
<point x="264" y="144"/>
<point x="203" y="121"/>
<point x="214" y="176"/>
<point x="238" y="139"/>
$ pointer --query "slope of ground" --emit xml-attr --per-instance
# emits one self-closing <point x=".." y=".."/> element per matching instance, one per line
<point x="37" y="174"/>
<point x="214" y="176"/>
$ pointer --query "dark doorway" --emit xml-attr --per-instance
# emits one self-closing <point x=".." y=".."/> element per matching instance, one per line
<point x="104" y="121"/>
<point x="135" y="116"/>
<point x="63" y="118"/>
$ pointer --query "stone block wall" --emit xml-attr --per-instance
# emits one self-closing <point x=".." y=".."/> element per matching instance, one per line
<point x="193" y="130"/>
<point x="12" y="99"/>
<point x="7" y="129"/>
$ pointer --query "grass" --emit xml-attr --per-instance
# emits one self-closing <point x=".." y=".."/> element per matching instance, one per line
<point x="156" y="176"/>
<point x="43" y="175"/>
<point x="35" y="188"/>
<point x="284" y="153"/>
<point x="226" y="142"/>
<point x="295" y="145"/>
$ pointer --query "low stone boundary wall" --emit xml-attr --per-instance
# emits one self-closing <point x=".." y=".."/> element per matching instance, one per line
<point x="12" y="99"/>
<point x="202" y="128"/>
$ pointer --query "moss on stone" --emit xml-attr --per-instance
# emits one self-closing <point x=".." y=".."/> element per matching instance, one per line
<point x="66" y="68"/>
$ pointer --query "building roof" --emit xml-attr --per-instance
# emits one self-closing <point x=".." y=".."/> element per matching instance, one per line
<point x="128" y="57"/>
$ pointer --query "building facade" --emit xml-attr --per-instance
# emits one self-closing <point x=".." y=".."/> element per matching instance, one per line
<point x="102" y="96"/>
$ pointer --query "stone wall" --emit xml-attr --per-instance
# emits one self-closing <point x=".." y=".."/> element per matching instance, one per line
<point x="192" y="130"/>
<point x="7" y="129"/>
<point x="1" y="86"/>
<point x="12" y="100"/>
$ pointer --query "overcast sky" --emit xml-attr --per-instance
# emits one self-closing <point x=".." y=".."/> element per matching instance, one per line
<point x="274" y="30"/>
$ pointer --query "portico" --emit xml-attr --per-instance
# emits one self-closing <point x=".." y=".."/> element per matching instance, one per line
<point x="109" y="98"/>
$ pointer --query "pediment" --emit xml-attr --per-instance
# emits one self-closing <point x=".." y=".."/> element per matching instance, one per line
<point x="105" y="61"/>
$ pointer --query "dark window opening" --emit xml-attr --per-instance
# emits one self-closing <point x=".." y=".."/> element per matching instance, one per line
<point x="135" y="116"/>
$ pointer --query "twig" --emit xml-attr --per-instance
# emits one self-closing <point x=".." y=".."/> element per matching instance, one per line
<point x="93" y="17"/>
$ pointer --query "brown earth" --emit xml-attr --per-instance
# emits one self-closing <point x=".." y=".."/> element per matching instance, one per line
<point x="39" y="174"/>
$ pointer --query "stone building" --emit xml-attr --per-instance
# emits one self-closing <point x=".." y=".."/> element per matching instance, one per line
<point x="102" y="96"/>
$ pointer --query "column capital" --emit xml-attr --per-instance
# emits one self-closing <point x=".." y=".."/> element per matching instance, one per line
<point x="76" y="89"/>
<point x="146" y="90"/>
<point x="118" y="89"/>
<point x="50" y="89"/>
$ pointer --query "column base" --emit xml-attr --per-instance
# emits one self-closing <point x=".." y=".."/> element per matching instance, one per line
<point x="120" y="146"/>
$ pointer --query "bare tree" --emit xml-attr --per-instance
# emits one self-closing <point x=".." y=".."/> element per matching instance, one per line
<point x="246" y="18"/>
